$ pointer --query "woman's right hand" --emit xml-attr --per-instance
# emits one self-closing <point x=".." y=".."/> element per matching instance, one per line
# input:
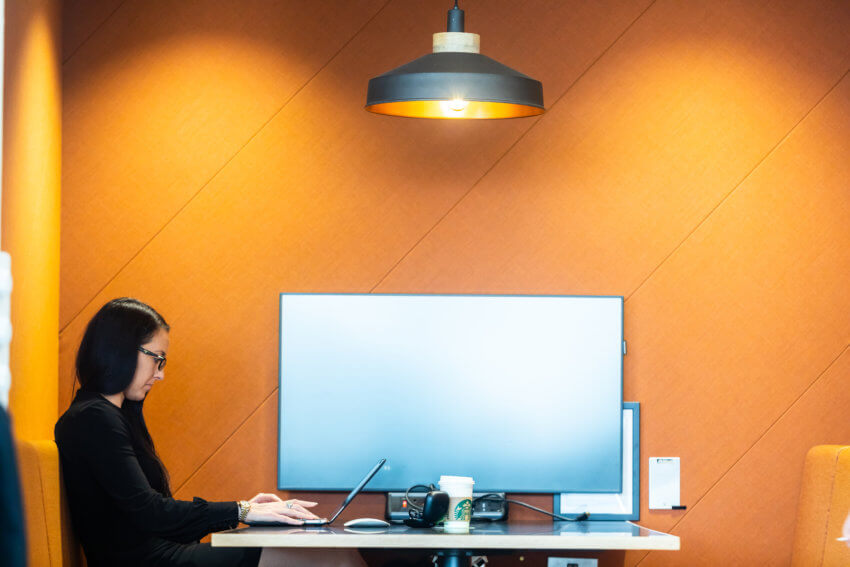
<point x="278" y="511"/>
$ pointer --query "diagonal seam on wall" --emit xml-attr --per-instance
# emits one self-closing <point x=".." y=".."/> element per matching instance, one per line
<point x="224" y="441"/>
<point x="769" y="428"/>
<point x="511" y="147"/>
<point x="737" y="185"/>
<point x="94" y="31"/>
<point x="220" y="169"/>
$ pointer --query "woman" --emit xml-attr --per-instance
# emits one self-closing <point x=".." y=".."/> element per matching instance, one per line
<point x="118" y="488"/>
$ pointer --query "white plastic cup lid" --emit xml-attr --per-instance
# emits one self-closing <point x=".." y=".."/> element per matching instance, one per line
<point x="457" y="479"/>
<point x="456" y="483"/>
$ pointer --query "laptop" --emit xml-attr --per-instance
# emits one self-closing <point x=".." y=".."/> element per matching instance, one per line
<point x="348" y="499"/>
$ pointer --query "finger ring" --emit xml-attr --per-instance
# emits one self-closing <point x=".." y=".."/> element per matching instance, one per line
<point x="289" y="503"/>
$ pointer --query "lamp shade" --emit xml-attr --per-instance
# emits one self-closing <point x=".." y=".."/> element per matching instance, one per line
<point x="455" y="85"/>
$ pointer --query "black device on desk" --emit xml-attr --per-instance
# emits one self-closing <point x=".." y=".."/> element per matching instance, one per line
<point x="346" y="502"/>
<point x="435" y="504"/>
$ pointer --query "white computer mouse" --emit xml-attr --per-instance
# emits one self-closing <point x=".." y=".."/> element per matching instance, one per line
<point x="366" y="523"/>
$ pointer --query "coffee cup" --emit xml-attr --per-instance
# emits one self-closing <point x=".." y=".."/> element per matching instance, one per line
<point x="459" y="489"/>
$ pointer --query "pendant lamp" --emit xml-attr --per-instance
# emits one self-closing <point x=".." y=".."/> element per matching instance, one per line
<point x="455" y="81"/>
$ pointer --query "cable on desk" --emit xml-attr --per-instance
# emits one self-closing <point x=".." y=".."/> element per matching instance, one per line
<point x="427" y="487"/>
<point x="493" y="497"/>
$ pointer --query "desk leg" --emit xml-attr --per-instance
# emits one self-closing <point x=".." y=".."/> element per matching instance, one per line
<point x="453" y="558"/>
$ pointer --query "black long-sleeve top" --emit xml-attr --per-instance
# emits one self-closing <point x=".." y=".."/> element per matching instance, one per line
<point x="117" y="514"/>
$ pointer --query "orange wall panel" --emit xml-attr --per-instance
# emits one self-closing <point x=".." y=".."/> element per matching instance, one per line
<point x="163" y="96"/>
<point x="693" y="159"/>
<point x="761" y="489"/>
<point x="317" y="199"/>
<point x="636" y="153"/>
<point x="761" y="285"/>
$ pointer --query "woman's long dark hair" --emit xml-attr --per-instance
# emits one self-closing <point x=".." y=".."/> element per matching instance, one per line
<point x="106" y="364"/>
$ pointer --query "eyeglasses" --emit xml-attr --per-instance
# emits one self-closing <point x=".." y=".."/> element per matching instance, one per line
<point x="159" y="358"/>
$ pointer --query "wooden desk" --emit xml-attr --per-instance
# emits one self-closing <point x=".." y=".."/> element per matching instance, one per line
<point x="456" y="548"/>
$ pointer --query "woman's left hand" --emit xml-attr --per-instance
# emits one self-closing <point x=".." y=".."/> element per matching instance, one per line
<point x="263" y="497"/>
<point x="300" y="505"/>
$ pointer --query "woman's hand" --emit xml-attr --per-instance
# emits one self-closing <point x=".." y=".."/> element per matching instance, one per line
<point x="263" y="497"/>
<point x="300" y="505"/>
<point x="270" y="508"/>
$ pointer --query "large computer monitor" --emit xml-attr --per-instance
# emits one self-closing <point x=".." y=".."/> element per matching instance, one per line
<point x="523" y="393"/>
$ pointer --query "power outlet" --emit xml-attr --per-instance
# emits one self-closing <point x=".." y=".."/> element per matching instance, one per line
<point x="398" y="506"/>
<point x="571" y="562"/>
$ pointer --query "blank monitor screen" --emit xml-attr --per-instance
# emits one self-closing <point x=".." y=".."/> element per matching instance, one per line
<point x="522" y="393"/>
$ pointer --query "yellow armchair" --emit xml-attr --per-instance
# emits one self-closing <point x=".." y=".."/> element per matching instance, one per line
<point x="50" y="538"/>
<point x="824" y="504"/>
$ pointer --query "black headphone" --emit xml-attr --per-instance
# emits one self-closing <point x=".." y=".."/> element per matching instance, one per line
<point x="433" y="509"/>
